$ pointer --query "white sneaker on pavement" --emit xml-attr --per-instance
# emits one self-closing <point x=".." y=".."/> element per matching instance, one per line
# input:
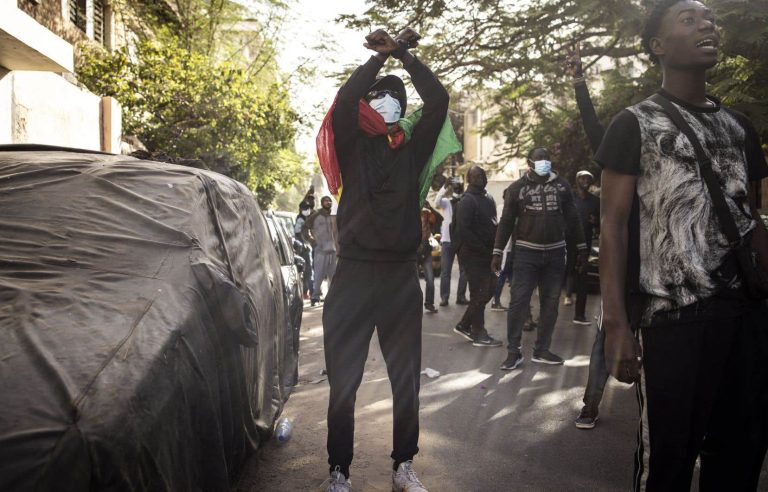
<point x="404" y="479"/>
<point x="337" y="483"/>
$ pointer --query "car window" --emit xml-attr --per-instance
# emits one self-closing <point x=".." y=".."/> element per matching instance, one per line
<point x="277" y="241"/>
<point x="287" y="241"/>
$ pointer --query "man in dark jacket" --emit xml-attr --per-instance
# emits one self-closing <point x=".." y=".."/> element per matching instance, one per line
<point x="588" y="206"/>
<point x="539" y="209"/>
<point x="475" y="231"/>
<point x="376" y="284"/>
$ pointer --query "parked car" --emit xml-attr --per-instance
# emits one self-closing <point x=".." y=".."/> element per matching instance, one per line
<point x="291" y="267"/>
<point x="287" y="220"/>
<point x="143" y="324"/>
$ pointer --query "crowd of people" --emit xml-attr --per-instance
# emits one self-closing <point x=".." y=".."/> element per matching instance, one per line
<point x="682" y="315"/>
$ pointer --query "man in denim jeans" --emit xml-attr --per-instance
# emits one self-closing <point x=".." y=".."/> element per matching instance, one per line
<point x="539" y="209"/>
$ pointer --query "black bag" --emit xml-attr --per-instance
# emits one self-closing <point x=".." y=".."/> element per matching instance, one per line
<point x="752" y="251"/>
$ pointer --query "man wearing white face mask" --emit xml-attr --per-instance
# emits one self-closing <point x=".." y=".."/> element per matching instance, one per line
<point x="376" y="285"/>
<point x="384" y="103"/>
<point x="539" y="209"/>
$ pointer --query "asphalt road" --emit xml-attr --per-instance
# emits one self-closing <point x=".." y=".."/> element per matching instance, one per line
<point x="482" y="429"/>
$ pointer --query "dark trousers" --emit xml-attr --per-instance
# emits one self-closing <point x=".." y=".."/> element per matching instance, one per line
<point x="482" y="282"/>
<point x="504" y="278"/>
<point x="598" y="374"/>
<point x="530" y="269"/>
<point x="576" y="281"/>
<point x="429" y="281"/>
<point x="704" y="392"/>
<point x="364" y="296"/>
<point x="308" y="275"/>
<point x="447" y="255"/>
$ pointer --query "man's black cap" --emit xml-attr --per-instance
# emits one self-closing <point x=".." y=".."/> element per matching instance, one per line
<point x="392" y="83"/>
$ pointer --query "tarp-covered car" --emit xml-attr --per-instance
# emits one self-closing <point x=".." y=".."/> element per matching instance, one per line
<point x="142" y="324"/>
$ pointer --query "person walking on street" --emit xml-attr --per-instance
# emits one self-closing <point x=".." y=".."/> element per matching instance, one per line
<point x="428" y="221"/>
<point x="306" y="253"/>
<point x="376" y="285"/>
<point x="588" y="206"/>
<point x="320" y="230"/>
<point x="539" y="210"/>
<point x="475" y="231"/>
<point x="681" y="249"/>
<point x="445" y="200"/>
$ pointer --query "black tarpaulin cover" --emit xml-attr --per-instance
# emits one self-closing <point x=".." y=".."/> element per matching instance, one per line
<point x="140" y="341"/>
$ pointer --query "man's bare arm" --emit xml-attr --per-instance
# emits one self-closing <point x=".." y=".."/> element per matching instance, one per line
<point x="622" y="351"/>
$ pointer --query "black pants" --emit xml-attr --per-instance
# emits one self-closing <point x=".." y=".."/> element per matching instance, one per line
<point x="598" y="369"/>
<point x="598" y="374"/>
<point x="576" y="281"/>
<point x="704" y="392"/>
<point x="482" y="284"/>
<point x="364" y="296"/>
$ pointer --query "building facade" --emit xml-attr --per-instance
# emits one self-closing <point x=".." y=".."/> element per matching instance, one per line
<point x="40" y="99"/>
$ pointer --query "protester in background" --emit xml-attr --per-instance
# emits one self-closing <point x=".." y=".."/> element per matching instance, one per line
<point x="376" y="285"/>
<point x="428" y="221"/>
<point x="320" y="230"/>
<point x="539" y="210"/>
<point x="474" y="232"/>
<point x="598" y="372"/>
<point x="588" y="206"/>
<point x="306" y="254"/>
<point x="677" y="172"/>
<point x="445" y="200"/>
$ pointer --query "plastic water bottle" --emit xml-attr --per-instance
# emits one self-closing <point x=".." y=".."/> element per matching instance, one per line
<point x="283" y="430"/>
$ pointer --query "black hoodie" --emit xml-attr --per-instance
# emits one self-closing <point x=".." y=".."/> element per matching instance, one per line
<point x="378" y="214"/>
<point x="475" y="216"/>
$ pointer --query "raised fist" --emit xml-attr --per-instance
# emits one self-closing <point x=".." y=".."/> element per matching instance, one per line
<point x="409" y="36"/>
<point x="380" y="42"/>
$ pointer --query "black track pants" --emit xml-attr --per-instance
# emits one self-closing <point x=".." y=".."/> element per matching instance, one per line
<point x="482" y="283"/>
<point x="364" y="296"/>
<point x="704" y="392"/>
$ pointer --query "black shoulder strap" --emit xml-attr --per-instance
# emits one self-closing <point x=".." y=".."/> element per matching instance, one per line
<point x="724" y="216"/>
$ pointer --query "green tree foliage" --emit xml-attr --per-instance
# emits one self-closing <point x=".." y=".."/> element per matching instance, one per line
<point x="190" y="96"/>
<point x="512" y="51"/>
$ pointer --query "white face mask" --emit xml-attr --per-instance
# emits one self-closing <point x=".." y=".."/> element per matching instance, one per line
<point x="542" y="168"/>
<point x="305" y="212"/>
<point x="388" y="107"/>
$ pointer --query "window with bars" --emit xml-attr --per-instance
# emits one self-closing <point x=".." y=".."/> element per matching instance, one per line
<point x="78" y="13"/>
<point x="98" y="22"/>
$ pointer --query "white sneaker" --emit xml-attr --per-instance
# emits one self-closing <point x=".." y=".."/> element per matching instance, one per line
<point x="567" y="301"/>
<point x="337" y="483"/>
<point x="404" y="479"/>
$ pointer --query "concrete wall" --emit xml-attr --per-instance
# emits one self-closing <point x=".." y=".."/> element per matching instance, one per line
<point x="5" y="104"/>
<point x="44" y="108"/>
